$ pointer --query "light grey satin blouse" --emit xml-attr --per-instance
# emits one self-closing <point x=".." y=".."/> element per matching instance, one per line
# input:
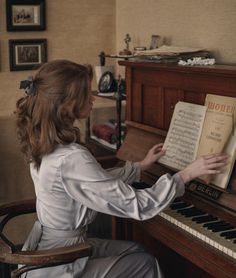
<point x="71" y="185"/>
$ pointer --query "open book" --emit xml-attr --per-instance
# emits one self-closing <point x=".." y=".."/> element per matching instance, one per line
<point x="197" y="130"/>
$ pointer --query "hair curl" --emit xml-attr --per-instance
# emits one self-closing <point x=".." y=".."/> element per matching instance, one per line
<point x="46" y="119"/>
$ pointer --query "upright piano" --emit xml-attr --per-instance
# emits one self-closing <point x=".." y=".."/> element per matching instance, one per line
<point x="196" y="235"/>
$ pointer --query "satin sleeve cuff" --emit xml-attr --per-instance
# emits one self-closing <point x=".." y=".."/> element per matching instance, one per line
<point x="180" y="186"/>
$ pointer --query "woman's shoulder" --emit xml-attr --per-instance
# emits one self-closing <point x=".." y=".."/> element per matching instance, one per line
<point x="70" y="154"/>
<point x="73" y="150"/>
<point x="69" y="149"/>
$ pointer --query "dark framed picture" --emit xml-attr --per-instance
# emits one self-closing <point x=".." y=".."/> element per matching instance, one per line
<point x="28" y="54"/>
<point x="25" y="15"/>
<point x="106" y="82"/>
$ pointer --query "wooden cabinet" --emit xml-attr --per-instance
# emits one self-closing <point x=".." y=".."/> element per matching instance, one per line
<point x="154" y="89"/>
<point x="152" y="92"/>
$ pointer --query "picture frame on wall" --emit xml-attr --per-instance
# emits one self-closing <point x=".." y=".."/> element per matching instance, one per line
<point x="27" y="54"/>
<point x="25" y="15"/>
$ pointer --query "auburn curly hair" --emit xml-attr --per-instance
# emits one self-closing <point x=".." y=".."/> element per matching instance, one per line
<point x="46" y="119"/>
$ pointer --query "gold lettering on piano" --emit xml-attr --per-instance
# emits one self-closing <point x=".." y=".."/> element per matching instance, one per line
<point x="204" y="189"/>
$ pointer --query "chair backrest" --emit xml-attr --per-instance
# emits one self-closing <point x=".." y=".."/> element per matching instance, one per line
<point x="10" y="254"/>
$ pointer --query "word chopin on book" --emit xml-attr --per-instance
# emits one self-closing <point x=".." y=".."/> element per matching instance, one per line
<point x="197" y="130"/>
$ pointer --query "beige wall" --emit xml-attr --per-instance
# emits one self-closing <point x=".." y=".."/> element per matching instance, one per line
<point x="210" y="24"/>
<point x="76" y="29"/>
<point x="79" y="29"/>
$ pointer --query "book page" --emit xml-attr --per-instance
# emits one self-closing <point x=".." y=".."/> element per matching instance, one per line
<point x="218" y="134"/>
<point x="183" y="137"/>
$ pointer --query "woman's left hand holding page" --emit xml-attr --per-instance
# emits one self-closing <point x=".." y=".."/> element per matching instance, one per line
<point x="152" y="156"/>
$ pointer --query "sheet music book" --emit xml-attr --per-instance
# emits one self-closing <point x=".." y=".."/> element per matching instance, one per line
<point x="197" y="130"/>
<point x="169" y="50"/>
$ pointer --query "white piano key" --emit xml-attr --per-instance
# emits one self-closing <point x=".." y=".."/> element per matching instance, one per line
<point x="197" y="230"/>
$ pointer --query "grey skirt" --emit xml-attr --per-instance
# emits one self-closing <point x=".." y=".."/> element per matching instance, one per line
<point x="109" y="259"/>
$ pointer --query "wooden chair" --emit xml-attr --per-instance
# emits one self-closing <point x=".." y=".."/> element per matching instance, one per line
<point x="11" y="255"/>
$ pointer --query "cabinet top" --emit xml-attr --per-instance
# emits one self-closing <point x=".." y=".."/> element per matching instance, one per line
<point x="228" y="69"/>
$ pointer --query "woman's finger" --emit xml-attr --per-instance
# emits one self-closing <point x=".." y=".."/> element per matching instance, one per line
<point x="157" y="147"/>
<point x="215" y="157"/>
<point x="213" y="172"/>
<point x="216" y="165"/>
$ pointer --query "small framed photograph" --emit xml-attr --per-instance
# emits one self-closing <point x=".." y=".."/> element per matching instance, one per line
<point x="155" y="41"/>
<point x="28" y="54"/>
<point x="25" y="15"/>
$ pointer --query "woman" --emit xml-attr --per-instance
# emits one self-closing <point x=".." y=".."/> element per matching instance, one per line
<point x="71" y="187"/>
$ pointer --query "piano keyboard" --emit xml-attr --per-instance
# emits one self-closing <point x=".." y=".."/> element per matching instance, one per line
<point x="210" y="229"/>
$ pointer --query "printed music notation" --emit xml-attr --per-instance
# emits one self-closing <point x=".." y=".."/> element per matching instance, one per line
<point x="183" y="135"/>
<point x="197" y="130"/>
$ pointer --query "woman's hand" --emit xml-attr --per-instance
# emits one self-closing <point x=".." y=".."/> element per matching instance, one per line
<point x="205" y="165"/>
<point x="152" y="156"/>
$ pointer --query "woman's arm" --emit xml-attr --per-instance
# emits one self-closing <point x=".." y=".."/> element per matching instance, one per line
<point x="205" y="165"/>
<point x="85" y="181"/>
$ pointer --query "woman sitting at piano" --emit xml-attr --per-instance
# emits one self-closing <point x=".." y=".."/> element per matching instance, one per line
<point x="71" y="186"/>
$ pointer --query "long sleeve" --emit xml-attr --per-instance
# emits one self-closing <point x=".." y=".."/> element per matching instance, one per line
<point x="129" y="173"/>
<point x="85" y="181"/>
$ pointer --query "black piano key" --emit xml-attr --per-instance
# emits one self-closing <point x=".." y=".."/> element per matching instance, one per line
<point x="229" y="234"/>
<point x="213" y="224"/>
<point x="222" y="228"/>
<point x="230" y="237"/>
<point x="204" y="219"/>
<point x="191" y="211"/>
<point x="185" y="210"/>
<point x="179" y="205"/>
<point x="194" y="212"/>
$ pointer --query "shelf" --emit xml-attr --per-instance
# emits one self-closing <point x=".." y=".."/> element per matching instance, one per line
<point x="126" y="57"/>
<point x="118" y="98"/>
<point x="108" y="96"/>
<point x="104" y="143"/>
<point x="105" y="156"/>
<point x="103" y="57"/>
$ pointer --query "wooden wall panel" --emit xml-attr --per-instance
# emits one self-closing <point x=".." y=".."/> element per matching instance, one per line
<point x="153" y="106"/>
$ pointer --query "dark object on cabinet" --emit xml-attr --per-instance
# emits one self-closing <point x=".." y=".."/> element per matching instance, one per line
<point x="107" y="83"/>
<point x="152" y="92"/>
<point x="102" y="58"/>
<point x="126" y="50"/>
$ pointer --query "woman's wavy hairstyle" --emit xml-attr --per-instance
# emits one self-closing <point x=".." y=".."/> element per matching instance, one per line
<point x="46" y="119"/>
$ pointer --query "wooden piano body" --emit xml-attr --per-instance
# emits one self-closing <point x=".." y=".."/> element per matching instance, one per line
<point x="152" y="92"/>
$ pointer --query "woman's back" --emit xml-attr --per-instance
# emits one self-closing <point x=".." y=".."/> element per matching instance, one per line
<point x="55" y="208"/>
